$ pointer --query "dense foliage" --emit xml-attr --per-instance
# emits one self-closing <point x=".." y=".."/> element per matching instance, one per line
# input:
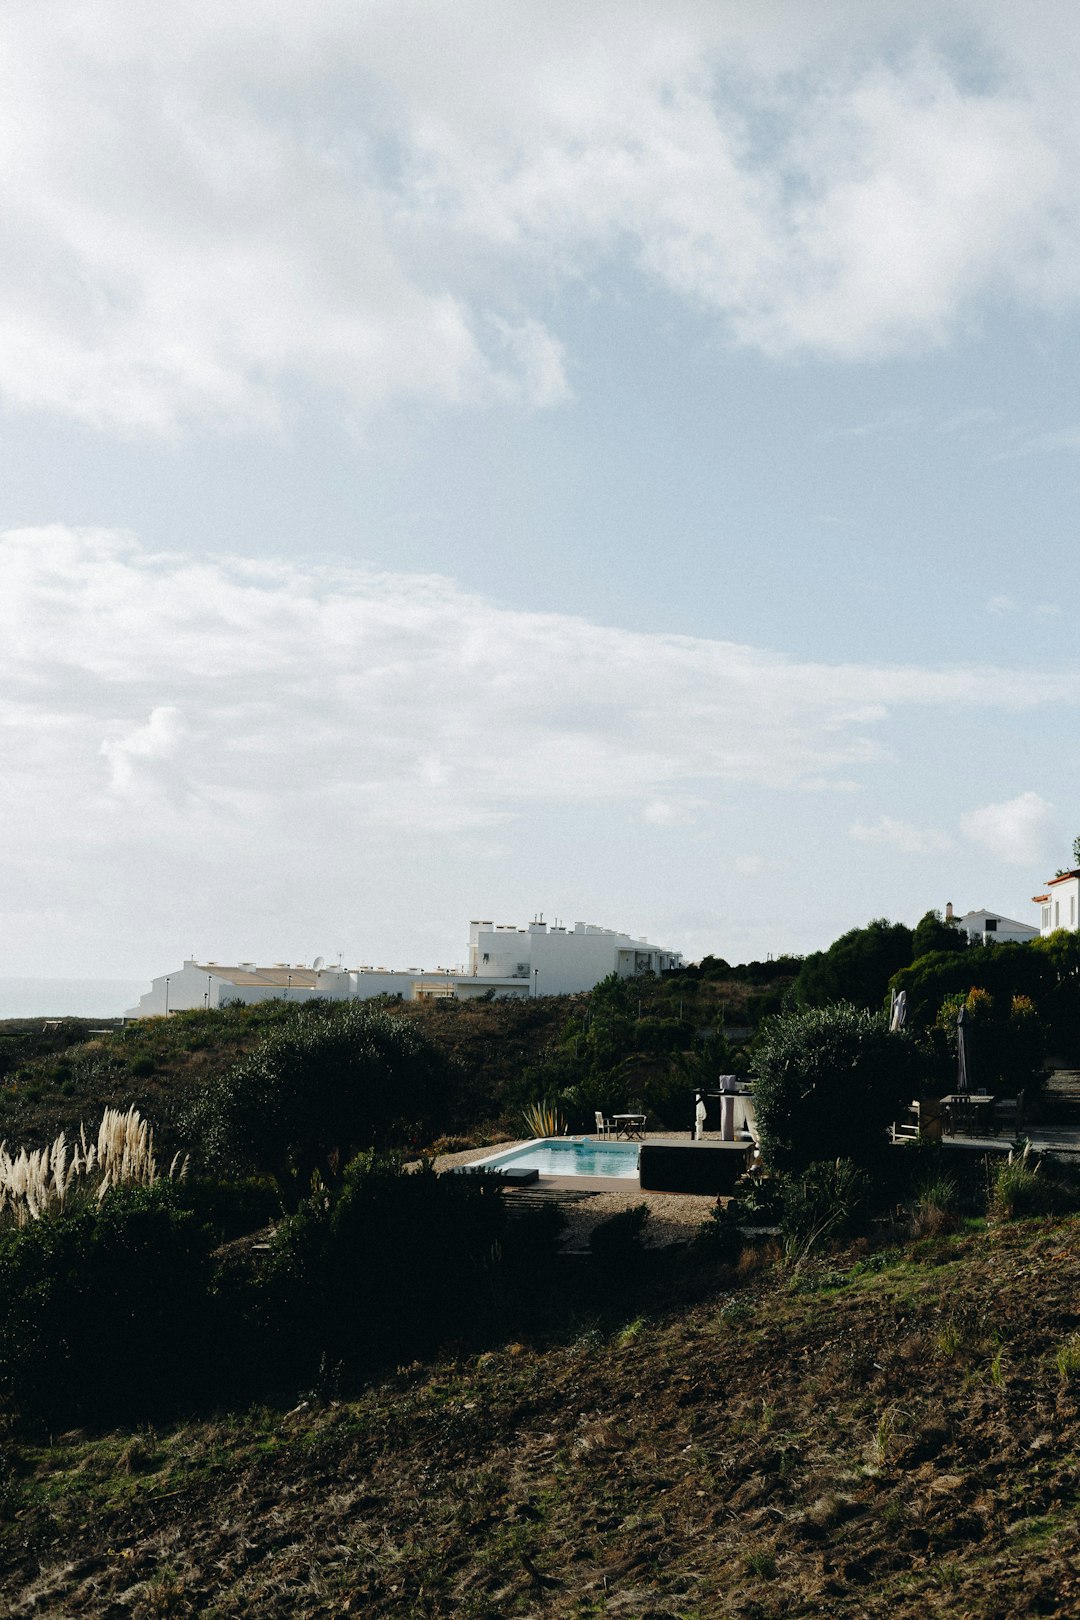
<point x="933" y="933"/>
<point x="103" y="1309"/>
<point x="322" y="1087"/>
<point x="389" y="1267"/>
<point x="1036" y="986"/>
<point x="856" y="967"/>
<point x="830" y="1080"/>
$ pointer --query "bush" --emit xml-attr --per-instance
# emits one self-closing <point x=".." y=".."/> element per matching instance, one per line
<point x="331" y="1081"/>
<point x="102" y="1309"/>
<point x="936" y="1205"/>
<point x="824" y="1204"/>
<point x="719" y="1241"/>
<point x="1022" y="1186"/>
<point x="231" y="1209"/>
<point x="617" y="1244"/>
<point x="386" y="1269"/>
<point x="830" y="1080"/>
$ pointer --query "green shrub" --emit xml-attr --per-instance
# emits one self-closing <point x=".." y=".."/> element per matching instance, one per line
<point x="718" y="1240"/>
<point x="386" y="1268"/>
<point x="824" y="1204"/>
<point x="102" y="1310"/>
<point x="936" y="1205"/>
<point x="330" y="1081"/>
<point x="830" y="1080"/>
<point x="616" y="1244"/>
<point x="1021" y="1185"/>
<point x="231" y="1209"/>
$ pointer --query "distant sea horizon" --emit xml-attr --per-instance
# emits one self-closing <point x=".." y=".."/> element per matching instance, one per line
<point x="69" y="998"/>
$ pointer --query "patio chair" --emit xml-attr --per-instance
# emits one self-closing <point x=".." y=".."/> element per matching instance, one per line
<point x="1008" y="1111"/>
<point x="603" y="1126"/>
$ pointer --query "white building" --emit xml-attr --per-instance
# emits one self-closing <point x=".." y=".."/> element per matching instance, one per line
<point x="503" y="960"/>
<point x="1059" y="907"/>
<point x="991" y="928"/>
<point x="212" y="984"/>
<point x="557" y="961"/>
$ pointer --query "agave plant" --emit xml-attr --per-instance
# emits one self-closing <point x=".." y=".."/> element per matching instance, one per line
<point x="543" y="1119"/>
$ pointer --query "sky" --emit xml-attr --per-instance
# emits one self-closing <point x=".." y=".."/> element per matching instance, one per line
<point x="610" y="461"/>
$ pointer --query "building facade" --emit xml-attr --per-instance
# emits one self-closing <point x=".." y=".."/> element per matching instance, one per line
<point x="503" y="960"/>
<point x="1059" y="907"/>
<point x="990" y="927"/>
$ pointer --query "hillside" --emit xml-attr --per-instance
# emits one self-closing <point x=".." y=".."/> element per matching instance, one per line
<point x="880" y="1434"/>
<point x="55" y="1073"/>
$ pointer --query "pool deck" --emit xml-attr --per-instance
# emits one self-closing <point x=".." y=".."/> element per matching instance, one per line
<point x="673" y="1217"/>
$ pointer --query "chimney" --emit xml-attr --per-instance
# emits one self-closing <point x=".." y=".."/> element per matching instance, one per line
<point x="948" y="911"/>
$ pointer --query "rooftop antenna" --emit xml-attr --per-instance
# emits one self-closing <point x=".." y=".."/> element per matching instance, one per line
<point x="317" y="964"/>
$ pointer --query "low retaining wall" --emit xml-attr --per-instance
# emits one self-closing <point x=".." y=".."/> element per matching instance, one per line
<point x="693" y="1167"/>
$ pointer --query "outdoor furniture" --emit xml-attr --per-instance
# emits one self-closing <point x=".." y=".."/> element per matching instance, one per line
<point x="629" y="1125"/>
<point x="1008" y="1112"/>
<point x="967" y="1113"/>
<point x="603" y="1126"/>
<point x="922" y="1120"/>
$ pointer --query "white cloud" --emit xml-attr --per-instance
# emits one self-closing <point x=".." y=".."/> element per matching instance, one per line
<point x="229" y="719"/>
<point x="210" y="750"/>
<point x="400" y="698"/>
<point x="890" y="833"/>
<point x="1022" y="831"/>
<point x="201" y="209"/>
<point x="143" y="761"/>
<point x="682" y="811"/>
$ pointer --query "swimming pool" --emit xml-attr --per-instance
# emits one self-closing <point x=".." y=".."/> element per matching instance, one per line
<point x="568" y="1156"/>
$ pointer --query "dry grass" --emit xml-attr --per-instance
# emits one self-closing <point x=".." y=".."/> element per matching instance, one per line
<point x="762" y="1453"/>
<point x="36" y="1184"/>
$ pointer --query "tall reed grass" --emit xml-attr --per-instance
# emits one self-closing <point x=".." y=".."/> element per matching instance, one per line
<point x="37" y="1184"/>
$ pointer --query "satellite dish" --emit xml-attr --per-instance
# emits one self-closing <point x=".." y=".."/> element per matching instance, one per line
<point x="318" y="962"/>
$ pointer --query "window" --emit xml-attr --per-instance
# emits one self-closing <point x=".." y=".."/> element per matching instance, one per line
<point x="1072" y="911"/>
<point x="1057" y="913"/>
<point x="991" y="925"/>
<point x="1046" y="916"/>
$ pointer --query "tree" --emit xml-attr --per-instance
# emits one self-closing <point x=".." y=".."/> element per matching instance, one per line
<point x="1076" y="851"/>
<point x="1004" y="970"/>
<point x="830" y="1081"/>
<point x="932" y="933"/>
<point x="857" y="967"/>
<point x="333" y="1080"/>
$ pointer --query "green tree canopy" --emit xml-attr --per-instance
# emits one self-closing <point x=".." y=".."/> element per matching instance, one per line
<point x="830" y="1080"/>
<point x="932" y="933"/>
<point x="857" y="967"/>
<point x="1003" y="970"/>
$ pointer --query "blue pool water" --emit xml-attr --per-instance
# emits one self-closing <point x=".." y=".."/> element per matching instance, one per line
<point x="564" y="1156"/>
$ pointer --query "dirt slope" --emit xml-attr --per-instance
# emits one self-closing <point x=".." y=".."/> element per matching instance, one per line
<point x="896" y="1435"/>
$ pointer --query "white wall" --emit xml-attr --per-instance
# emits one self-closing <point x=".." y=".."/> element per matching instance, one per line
<point x="1007" y="932"/>
<point x="560" y="961"/>
<point x="1063" y="905"/>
